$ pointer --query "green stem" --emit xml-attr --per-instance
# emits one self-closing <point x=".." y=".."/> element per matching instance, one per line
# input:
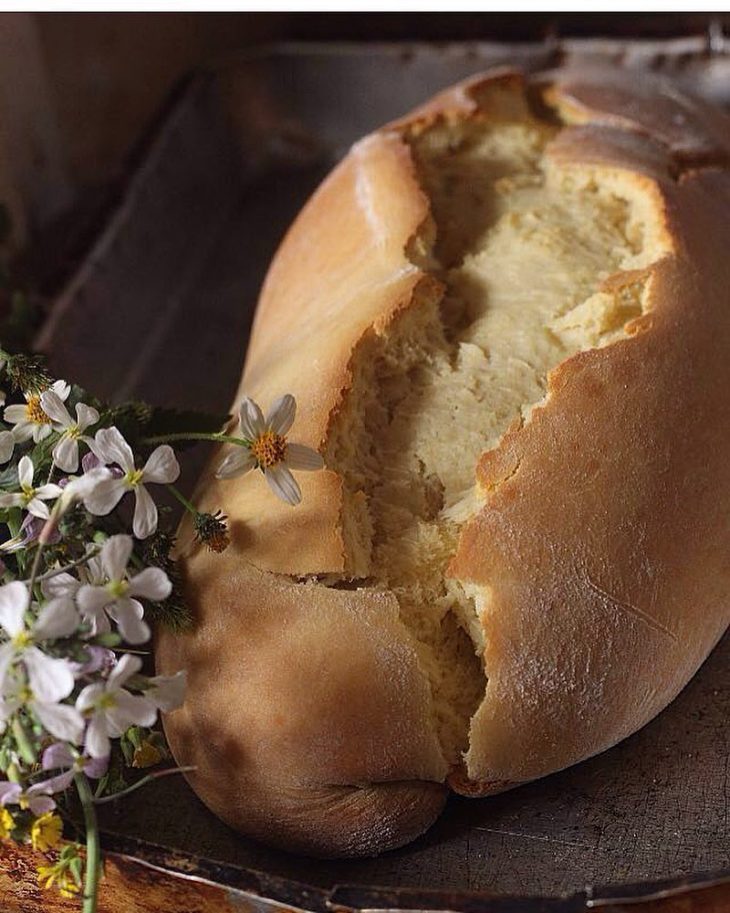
<point x="196" y="436"/>
<point x="21" y="740"/>
<point x="93" y="847"/>
<point x="189" y="506"/>
<point x="143" y="782"/>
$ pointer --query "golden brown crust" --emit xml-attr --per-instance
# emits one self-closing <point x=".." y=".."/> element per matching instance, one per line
<point x="602" y="542"/>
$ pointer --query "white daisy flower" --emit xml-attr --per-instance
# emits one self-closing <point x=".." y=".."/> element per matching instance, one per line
<point x="30" y="420"/>
<point x="267" y="449"/>
<point x="66" y="451"/>
<point x="50" y="679"/>
<point x="113" y="595"/>
<point x="32" y="499"/>
<point x="111" y="710"/>
<point x="161" y="468"/>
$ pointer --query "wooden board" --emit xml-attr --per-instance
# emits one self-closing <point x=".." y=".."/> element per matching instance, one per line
<point x="161" y="309"/>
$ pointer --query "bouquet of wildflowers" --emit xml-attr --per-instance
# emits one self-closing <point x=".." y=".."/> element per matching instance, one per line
<point x="85" y="565"/>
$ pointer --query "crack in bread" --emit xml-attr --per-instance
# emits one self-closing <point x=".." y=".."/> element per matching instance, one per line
<point x="523" y="248"/>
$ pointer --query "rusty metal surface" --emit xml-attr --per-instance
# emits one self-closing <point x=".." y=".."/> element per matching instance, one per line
<point x="161" y="309"/>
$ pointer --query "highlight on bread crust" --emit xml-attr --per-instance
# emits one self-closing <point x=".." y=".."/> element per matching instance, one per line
<point x="516" y="332"/>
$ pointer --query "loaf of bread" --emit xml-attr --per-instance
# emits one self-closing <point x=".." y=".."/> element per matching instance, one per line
<point x="506" y="323"/>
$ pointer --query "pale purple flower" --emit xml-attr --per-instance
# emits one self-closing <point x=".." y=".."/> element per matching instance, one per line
<point x="267" y="449"/>
<point x="167" y="692"/>
<point x="66" y="450"/>
<point x="114" y="597"/>
<point x="37" y="798"/>
<point x="30" y="420"/>
<point x="161" y="468"/>
<point x="60" y="757"/>
<point x="32" y="499"/>
<point x="111" y="710"/>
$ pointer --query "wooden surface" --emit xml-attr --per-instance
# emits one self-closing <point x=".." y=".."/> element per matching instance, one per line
<point x="161" y="309"/>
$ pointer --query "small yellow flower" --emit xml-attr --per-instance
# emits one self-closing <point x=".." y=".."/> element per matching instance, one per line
<point x="45" y="834"/>
<point x="7" y="823"/>
<point x="58" y="875"/>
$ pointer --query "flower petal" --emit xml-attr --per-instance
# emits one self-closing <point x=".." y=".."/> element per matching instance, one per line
<point x="61" y="389"/>
<point x="38" y="508"/>
<point x="115" y="555"/>
<point x="298" y="456"/>
<point x="23" y="431"/>
<point x="63" y="584"/>
<point x="9" y="792"/>
<point x="40" y="805"/>
<point x="96" y="767"/>
<point x="251" y="418"/>
<point x="93" y="599"/>
<point x="89" y="697"/>
<point x="128" y="615"/>
<point x="151" y="583"/>
<point x="237" y="463"/>
<point x="8" y="499"/>
<point x="282" y="414"/>
<point x="40" y="432"/>
<point x="61" y="720"/>
<point x="66" y="454"/>
<point x="7" y="655"/>
<point x="54" y="408"/>
<point x="50" y="679"/>
<point x="283" y="484"/>
<point x="16" y="414"/>
<point x="127" y="666"/>
<point x="58" y="618"/>
<point x="48" y="492"/>
<point x="129" y="710"/>
<point x="25" y="472"/>
<point x="86" y="416"/>
<point x="58" y="783"/>
<point x="96" y="741"/>
<point x="81" y="486"/>
<point x="161" y="466"/>
<point x="7" y="445"/>
<point x="110" y="446"/>
<point x="14" y="602"/>
<point x="57" y="756"/>
<point x="167" y="691"/>
<point x="144" y="522"/>
<point x="104" y="496"/>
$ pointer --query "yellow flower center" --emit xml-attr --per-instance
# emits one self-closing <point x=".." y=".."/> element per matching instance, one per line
<point x="106" y="701"/>
<point x="133" y="478"/>
<point x="117" y="588"/>
<point x="35" y="412"/>
<point x="22" y="640"/>
<point x="269" y="449"/>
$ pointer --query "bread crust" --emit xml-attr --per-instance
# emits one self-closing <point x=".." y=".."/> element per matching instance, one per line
<point x="604" y="567"/>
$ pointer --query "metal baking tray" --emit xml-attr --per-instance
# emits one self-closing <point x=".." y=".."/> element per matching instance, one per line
<point x="161" y="309"/>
